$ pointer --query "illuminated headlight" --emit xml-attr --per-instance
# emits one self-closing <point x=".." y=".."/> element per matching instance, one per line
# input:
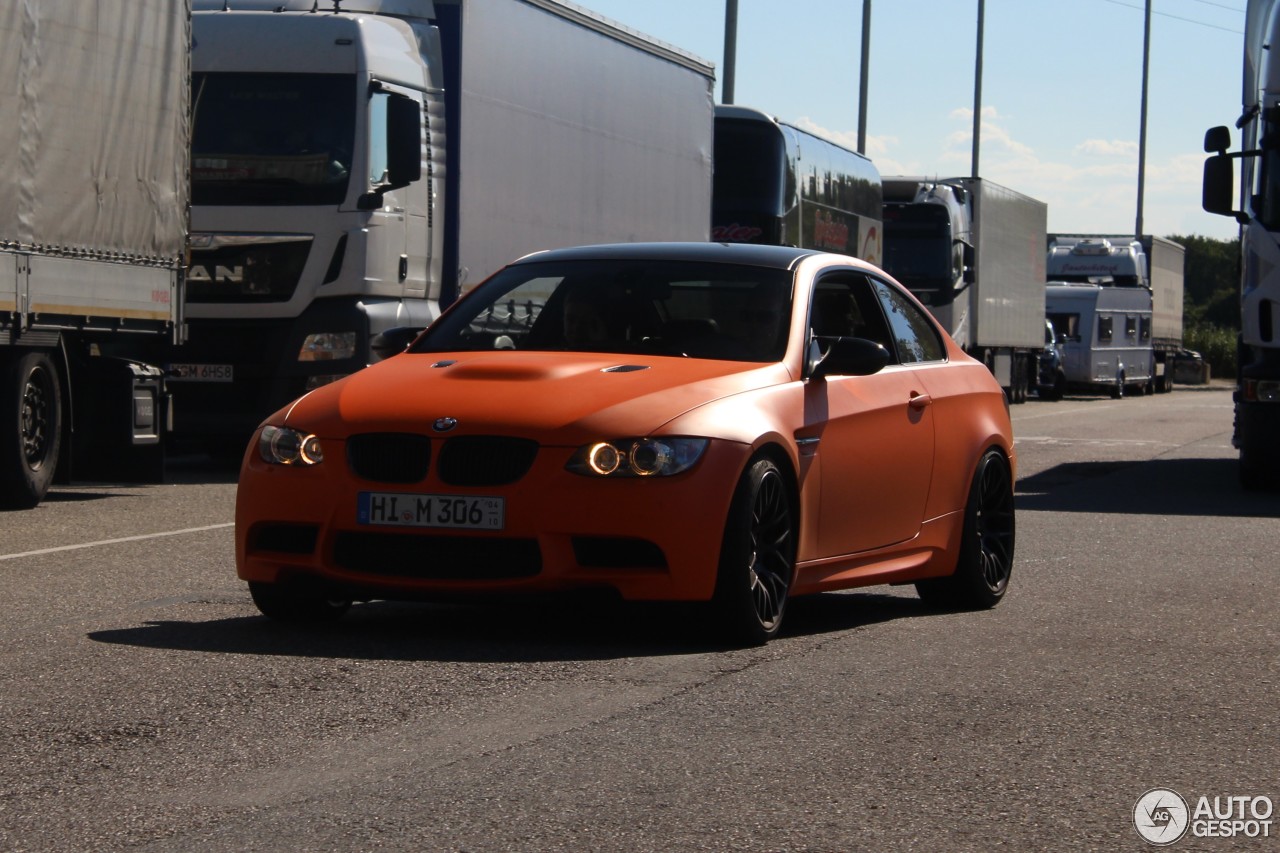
<point x="328" y="346"/>
<point x="637" y="457"/>
<point x="284" y="446"/>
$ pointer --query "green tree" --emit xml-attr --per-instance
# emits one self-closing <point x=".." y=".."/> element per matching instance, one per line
<point x="1211" y="300"/>
<point x="1212" y="288"/>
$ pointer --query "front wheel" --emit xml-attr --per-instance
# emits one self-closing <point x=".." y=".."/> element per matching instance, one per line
<point x="986" y="545"/>
<point x="298" y="603"/>
<point x="757" y="556"/>
<point x="31" y="411"/>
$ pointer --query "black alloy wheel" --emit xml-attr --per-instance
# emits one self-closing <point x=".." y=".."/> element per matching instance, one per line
<point x="757" y="557"/>
<point x="299" y="603"/>
<point x="985" y="563"/>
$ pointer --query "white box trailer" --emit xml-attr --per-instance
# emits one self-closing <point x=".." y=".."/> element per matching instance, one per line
<point x="973" y="252"/>
<point x="94" y="194"/>
<point x="359" y="164"/>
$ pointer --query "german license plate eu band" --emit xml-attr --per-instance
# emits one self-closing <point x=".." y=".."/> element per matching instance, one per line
<point x="396" y="509"/>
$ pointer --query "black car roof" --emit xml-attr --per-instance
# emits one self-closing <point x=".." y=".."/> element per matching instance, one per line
<point x="779" y="257"/>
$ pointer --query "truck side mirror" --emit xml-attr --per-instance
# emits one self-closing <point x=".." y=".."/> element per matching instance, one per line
<point x="1217" y="140"/>
<point x="1219" y="185"/>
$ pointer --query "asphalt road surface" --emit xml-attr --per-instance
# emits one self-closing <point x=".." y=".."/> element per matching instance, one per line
<point x="145" y="706"/>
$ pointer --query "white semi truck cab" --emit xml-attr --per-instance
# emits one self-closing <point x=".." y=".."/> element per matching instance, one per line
<point x="356" y="165"/>
<point x="973" y="252"/>
<point x="1257" y="396"/>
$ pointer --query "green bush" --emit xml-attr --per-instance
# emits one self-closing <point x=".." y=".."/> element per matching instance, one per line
<point x="1216" y="344"/>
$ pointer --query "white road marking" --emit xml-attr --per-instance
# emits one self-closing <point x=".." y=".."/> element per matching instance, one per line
<point x="115" y="541"/>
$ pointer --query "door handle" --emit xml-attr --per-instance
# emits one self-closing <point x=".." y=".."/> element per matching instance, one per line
<point x="919" y="401"/>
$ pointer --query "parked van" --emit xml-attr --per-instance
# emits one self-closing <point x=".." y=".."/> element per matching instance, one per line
<point x="1051" y="379"/>
<point x="1105" y="336"/>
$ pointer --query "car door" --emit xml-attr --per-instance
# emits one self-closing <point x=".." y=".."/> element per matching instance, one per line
<point x="875" y="434"/>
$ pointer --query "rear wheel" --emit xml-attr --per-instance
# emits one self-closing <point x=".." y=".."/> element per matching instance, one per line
<point x="31" y="411"/>
<point x="299" y="603"/>
<point x="757" y="556"/>
<point x="986" y="546"/>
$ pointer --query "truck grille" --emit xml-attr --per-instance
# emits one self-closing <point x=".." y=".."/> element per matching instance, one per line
<point x="246" y="269"/>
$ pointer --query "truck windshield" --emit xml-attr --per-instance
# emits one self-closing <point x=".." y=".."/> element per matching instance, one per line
<point x="917" y="247"/>
<point x="1268" y="210"/>
<point x="264" y="139"/>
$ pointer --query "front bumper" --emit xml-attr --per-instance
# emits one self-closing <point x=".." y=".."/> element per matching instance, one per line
<point x="648" y="539"/>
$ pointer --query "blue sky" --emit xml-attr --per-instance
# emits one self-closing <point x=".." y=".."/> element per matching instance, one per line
<point x="1061" y="91"/>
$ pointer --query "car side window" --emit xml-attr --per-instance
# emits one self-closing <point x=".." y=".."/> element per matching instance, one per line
<point x="845" y="305"/>
<point x="914" y="335"/>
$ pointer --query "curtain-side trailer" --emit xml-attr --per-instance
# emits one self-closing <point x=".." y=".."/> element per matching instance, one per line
<point x="94" y="192"/>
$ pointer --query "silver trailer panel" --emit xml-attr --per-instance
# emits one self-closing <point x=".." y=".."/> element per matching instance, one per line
<point x="1007" y="303"/>
<point x="550" y="158"/>
<point x="1168" y="270"/>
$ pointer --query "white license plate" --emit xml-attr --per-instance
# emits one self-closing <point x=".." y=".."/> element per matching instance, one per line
<point x="397" y="509"/>
<point x="202" y="372"/>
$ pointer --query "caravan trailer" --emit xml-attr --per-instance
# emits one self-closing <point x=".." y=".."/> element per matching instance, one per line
<point x="1105" y="335"/>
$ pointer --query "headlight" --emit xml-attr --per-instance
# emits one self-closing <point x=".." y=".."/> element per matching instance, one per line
<point x="284" y="446"/>
<point x="637" y="457"/>
<point x="328" y="346"/>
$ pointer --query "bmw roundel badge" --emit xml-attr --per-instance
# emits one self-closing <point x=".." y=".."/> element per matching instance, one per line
<point x="444" y="424"/>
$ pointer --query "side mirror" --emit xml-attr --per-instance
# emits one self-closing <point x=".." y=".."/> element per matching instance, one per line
<point x="1217" y="140"/>
<point x="1218" y="190"/>
<point x="847" y="357"/>
<point x="393" y="341"/>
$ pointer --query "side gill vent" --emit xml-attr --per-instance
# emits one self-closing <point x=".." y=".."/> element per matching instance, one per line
<point x="625" y="368"/>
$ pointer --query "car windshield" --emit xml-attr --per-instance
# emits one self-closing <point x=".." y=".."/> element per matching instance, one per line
<point x="696" y="310"/>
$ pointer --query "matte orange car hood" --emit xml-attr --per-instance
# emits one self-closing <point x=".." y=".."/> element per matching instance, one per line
<point x="550" y="397"/>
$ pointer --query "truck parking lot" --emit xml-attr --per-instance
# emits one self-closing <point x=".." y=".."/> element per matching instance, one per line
<point x="145" y="705"/>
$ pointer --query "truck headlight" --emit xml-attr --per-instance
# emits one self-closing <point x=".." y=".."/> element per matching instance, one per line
<point x="284" y="446"/>
<point x="328" y="346"/>
<point x="1260" y="390"/>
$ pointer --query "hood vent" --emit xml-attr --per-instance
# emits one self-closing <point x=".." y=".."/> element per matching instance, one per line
<point x="625" y="368"/>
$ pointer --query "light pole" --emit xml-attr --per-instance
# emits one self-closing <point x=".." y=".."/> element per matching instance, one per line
<point x="730" y="50"/>
<point x="977" y="89"/>
<point x="1142" y="130"/>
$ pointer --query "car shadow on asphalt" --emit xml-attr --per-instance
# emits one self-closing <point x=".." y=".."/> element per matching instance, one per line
<point x="1178" y="487"/>
<point x="562" y="629"/>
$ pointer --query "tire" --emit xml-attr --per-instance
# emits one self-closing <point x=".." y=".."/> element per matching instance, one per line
<point x="985" y="563"/>
<point x="1117" y="390"/>
<point x="298" y="603"/>
<point x="757" y="557"/>
<point x="31" y="409"/>
<point x="1056" y="391"/>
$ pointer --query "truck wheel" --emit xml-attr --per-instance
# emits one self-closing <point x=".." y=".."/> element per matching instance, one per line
<point x="31" y="409"/>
